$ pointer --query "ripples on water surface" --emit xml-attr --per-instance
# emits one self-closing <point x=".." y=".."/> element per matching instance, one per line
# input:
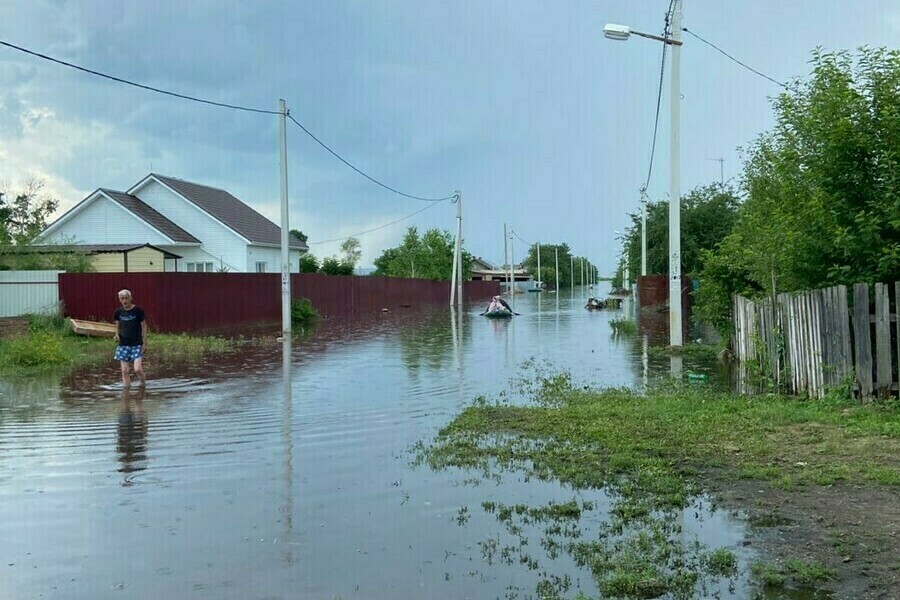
<point x="222" y="481"/>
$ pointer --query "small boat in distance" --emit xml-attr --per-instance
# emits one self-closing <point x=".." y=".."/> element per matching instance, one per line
<point x="93" y="328"/>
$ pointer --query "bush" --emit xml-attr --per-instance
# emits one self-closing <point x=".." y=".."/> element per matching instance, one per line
<point x="302" y="311"/>
<point x="38" y="349"/>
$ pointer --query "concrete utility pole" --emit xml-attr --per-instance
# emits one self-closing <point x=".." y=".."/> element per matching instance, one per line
<point x="456" y="276"/>
<point x="572" y="273"/>
<point x="556" y="255"/>
<point x="643" y="231"/>
<point x="675" y="316"/>
<point x="721" y="162"/>
<point x="506" y="258"/>
<point x="285" y="231"/>
<point x="540" y="287"/>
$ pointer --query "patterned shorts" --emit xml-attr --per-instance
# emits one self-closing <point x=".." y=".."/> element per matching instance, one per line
<point x="128" y="353"/>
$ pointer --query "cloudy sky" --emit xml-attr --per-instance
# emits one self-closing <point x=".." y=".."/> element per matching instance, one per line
<point x="523" y="105"/>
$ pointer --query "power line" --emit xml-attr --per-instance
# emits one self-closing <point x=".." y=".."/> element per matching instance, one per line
<point x="749" y="68"/>
<point x="135" y="84"/>
<point x="377" y="228"/>
<point x="372" y="179"/>
<point x="219" y="104"/>
<point x="662" y="71"/>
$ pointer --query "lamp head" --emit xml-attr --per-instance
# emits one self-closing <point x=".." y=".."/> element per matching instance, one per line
<point x="617" y="32"/>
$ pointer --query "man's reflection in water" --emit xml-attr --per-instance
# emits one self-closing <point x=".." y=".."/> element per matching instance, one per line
<point x="132" y="434"/>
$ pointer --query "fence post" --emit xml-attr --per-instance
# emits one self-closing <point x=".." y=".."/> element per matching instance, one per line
<point x="862" y="340"/>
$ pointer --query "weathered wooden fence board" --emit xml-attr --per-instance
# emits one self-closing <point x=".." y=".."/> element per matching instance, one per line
<point x="811" y="342"/>
<point x="882" y="341"/>
<point x="862" y="340"/>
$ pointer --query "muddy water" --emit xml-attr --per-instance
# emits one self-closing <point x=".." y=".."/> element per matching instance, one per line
<point x="230" y="480"/>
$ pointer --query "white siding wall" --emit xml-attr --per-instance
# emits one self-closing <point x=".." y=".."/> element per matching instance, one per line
<point x="24" y="292"/>
<point x="272" y="258"/>
<point x="219" y="242"/>
<point x="105" y="222"/>
<point x="198" y="254"/>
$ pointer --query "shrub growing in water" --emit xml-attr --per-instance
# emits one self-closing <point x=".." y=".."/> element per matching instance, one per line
<point x="302" y="311"/>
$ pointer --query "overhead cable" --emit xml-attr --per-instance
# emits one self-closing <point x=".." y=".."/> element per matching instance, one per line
<point x="221" y="105"/>
<point x="372" y="179"/>
<point x="137" y="85"/>
<point x="662" y="71"/>
<point x="749" y="68"/>
<point x="376" y="228"/>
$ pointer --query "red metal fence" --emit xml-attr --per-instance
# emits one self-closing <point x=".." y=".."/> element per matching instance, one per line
<point x="177" y="302"/>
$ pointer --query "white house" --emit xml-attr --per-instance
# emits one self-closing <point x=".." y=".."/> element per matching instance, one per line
<point x="207" y="227"/>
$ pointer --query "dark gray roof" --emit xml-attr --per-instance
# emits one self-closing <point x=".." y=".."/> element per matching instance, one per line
<point x="151" y="216"/>
<point x="88" y="248"/>
<point x="230" y="211"/>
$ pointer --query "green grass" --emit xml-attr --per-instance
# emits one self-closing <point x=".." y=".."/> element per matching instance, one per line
<point x="623" y="325"/>
<point x="50" y="345"/>
<point x="647" y="450"/>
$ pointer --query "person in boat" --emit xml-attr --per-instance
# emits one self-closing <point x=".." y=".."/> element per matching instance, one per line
<point x="131" y="338"/>
<point x="593" y="303"/>
<point x="498" y="303"/>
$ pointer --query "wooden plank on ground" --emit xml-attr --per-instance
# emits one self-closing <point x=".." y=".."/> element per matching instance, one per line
<point x="883" y="360"/>
<point x="862" y="341"/>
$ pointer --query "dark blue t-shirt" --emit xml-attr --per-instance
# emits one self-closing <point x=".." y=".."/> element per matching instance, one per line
<point x="130" y="325"/>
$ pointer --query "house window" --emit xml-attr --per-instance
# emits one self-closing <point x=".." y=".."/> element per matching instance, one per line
<point x="200" y="267"/>
<point x="260" y="266"/>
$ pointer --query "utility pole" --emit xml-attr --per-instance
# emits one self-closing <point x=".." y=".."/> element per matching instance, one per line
<point x="285" y="231"/>
<point x="556" y="254"/>
<point x="540" y="286"/>
<point x="643" y="231"/>
<point x="505" y="258"/>
<point x="512" y="266"/>
<point x="456" y="275"/>
<point x="675" y="316"/>
<point x="721" y="162"/>
<point x="572" y="273"/>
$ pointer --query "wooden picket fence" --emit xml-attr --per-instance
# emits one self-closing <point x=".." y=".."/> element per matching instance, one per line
<point x="810" y="342"/>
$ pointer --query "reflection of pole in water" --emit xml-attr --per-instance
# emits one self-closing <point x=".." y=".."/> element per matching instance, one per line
<point x="645" y="359"/>
<point x="287" y="433"/>
<point x="454" y="332"/>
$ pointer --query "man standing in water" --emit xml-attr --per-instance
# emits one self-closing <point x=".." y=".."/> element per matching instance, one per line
<point x="131" y="337"/>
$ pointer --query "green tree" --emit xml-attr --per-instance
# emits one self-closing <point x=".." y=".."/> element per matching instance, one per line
<point x="429" y="256"/>
<point x="308" y="263"/>
<point x="548" y="265"/>
<point x="822" y="194"/>
<point x="299" y="235"/>
<point x="24" y="216"/>
<point x="333" y="266"/>
<point x="352" y="252"/>
<point x="708" y="214"/>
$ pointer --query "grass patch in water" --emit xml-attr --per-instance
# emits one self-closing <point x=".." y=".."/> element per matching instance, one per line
<point x="623" y="325"/>
<point x="50" y="345"/>
<point x="646" y="450"/>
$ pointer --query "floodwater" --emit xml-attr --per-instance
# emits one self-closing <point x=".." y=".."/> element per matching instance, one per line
<point x="263" y="475"/>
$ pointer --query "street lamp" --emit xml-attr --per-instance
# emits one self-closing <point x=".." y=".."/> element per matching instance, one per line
<point x="621" y="33"/>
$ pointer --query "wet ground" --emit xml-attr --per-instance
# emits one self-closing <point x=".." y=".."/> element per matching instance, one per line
<point x="257" y="476"/>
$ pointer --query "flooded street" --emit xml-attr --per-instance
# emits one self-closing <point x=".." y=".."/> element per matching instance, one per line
<point x="232" y="480"/>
